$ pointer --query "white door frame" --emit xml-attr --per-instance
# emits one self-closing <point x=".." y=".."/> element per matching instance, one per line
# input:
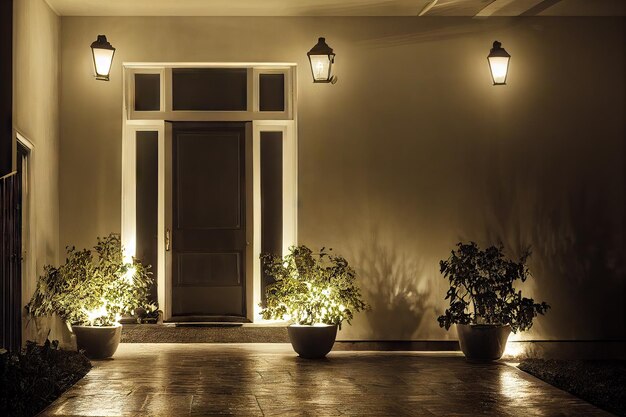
<point x="29" y="244"/>
<point x="129" y="193"/>
<point x="290" y="200"/>
<point x="290" y="196"/>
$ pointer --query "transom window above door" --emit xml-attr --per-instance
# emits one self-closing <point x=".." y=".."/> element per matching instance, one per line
<point x="209" y="93"/>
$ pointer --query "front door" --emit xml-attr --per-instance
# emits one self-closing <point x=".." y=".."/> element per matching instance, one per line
<point x="208" y="221"/>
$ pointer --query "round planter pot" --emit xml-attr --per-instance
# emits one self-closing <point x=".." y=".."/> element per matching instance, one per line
<point x="312" y="342"/>
<point x="483" y="342"/>
<point x="98" y="342"/>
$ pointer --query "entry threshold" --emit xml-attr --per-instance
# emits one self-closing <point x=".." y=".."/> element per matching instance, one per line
<point x="203" y="324"/>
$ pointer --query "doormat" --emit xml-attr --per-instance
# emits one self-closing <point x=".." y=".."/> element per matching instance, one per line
<point x="201" y="333"/>
<point x="210" y="324"/>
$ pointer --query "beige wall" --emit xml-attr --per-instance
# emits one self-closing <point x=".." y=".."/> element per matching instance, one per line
<point x="409" y="152"/>
<point x="36" y="116"/>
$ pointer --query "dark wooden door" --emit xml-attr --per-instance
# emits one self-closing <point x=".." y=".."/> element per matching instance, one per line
<point x="208" y="219"/>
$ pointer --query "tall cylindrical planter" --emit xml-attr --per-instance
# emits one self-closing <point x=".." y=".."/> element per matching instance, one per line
<point x="483" y="342"/>
<point x="312" y="342"/>
<point x="98" y="342"/>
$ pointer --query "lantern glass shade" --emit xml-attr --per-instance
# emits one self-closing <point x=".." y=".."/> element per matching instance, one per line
<point x="498" y="63"/>
<point x="321" y="58"/>
<point x="320" y="65"/>
<point x="102" y="52"/>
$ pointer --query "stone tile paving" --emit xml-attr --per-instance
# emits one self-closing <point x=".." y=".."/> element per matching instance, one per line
<point x="270" y="380"/>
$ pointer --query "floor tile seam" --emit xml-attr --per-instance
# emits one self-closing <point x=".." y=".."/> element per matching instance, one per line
<point x="256" y="399"/>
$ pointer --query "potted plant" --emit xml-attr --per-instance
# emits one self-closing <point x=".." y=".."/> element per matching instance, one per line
<point x="316" y="292"/>
<point x="484" y="304"/>
<point x="149" y="314"/>
<point x="90" y="292"/>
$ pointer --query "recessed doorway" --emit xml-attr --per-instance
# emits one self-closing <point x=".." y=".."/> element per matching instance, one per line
<point x="209" y="185"/>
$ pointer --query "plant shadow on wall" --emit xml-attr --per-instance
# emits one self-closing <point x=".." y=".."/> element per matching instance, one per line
<point x="397" y="288"/>
<point x="575" y="239"/>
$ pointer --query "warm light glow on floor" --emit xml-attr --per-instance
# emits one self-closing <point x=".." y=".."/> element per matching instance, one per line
<point x="514" y="347"/>
<point x="251" y="379"/>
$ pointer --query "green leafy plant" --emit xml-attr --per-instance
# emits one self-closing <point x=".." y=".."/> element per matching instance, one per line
<point x="311" y="288"/>
<point x="36" y="376"/>
<point x="149" y="314"/>
<point x="92" y="289"/>
<point x="481" y="289"/>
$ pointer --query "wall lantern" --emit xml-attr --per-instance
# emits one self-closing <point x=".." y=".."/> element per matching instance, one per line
<point x="322" y="58"/>
<point x="498" y="63"/>
<point x="102" y="52"/>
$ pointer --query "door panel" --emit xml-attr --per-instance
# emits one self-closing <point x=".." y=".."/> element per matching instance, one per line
<point x="209" y="269"/>
<point x="209" y="230"/>
<point x="212" y="167"/>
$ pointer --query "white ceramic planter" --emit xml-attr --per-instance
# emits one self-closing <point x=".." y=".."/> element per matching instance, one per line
<point x="483" y="342"/>
<point x="98" y="342"/>
<point x="312" y="342"/>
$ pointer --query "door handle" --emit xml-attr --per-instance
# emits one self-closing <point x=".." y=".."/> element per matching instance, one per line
<point x="167" y="240"/>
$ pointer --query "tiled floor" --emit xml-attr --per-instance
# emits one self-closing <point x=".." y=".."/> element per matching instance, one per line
<point x="269" y="380"/>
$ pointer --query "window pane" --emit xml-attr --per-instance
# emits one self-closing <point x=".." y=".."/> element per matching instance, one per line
<point x="272" y="92"/>
<point x="147" y="92"/>
<point x="271" y="198"/>
<point x="147" y="191"/>
<point x="210" y="89"/>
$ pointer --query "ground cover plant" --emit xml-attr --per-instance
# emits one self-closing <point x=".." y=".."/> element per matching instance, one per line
<point x="602" y="383"/>
<point x="32" y="379"/>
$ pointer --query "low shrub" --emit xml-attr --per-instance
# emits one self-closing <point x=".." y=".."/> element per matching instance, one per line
<point x="93" y="287"/>
<point x="32" y="379"/>
<point x="602" y="383"/>
<point x="311" y="288"/>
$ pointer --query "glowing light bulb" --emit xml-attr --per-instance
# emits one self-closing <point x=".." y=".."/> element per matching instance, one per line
<point x="319" y="70"/>
<point x="129" y="276"/>
<point x="95" y="314"/>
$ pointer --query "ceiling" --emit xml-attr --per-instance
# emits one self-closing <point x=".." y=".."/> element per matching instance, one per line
<point x="339" y="7"/>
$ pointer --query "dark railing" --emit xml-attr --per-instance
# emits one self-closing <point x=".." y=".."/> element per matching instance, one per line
<point x="10" y="262"/>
